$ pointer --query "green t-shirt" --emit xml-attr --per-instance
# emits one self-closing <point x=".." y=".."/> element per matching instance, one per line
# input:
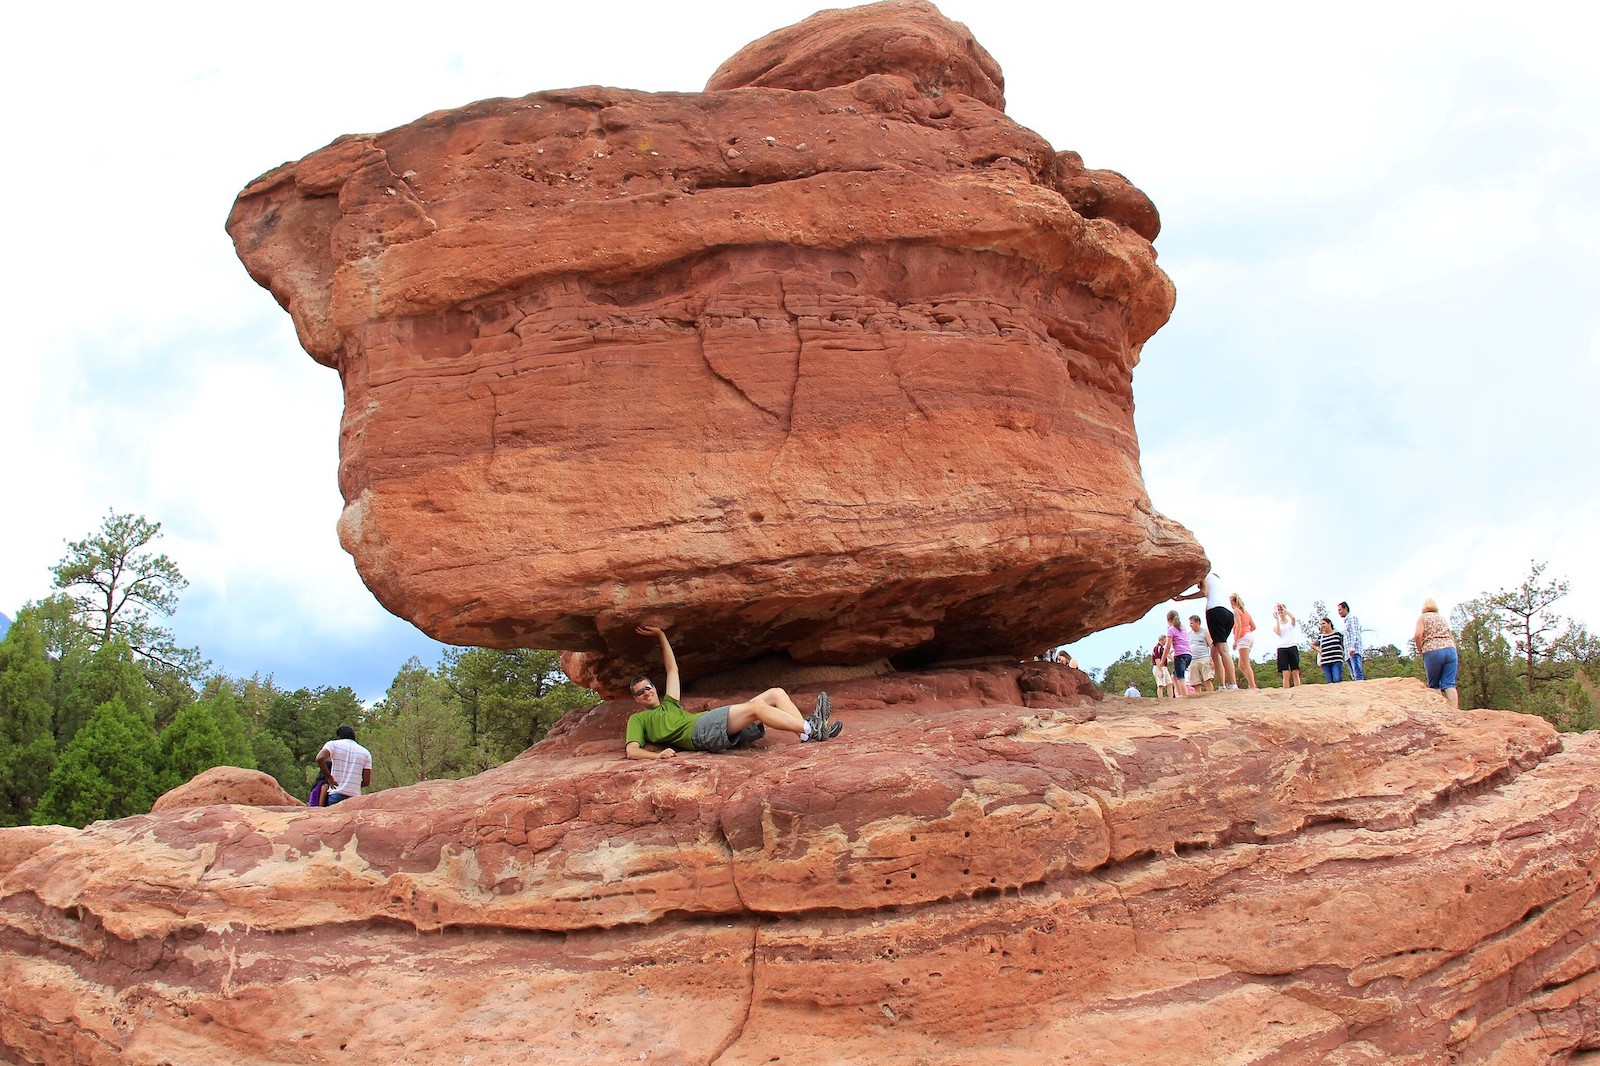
<point x="667" y="724"/>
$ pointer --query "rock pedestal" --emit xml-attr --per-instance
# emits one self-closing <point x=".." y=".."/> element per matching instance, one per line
<point x="1339" y="874"/>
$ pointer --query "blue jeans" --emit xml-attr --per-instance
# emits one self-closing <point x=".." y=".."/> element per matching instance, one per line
<point x="1356" y="673"/>
<point x="336" y="797"/>
<point x="1440" y="665"/>
<point x="1335" y="672"/>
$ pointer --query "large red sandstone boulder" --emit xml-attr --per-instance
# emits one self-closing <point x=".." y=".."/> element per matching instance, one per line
<point x="831" y="362"/>
<point x="226" y="784"/>
<point x="1339" y="874"/>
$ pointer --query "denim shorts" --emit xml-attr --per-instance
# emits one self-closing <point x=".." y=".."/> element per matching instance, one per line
<point x="1441" y="667"/>
<point x="1180" y="665"/>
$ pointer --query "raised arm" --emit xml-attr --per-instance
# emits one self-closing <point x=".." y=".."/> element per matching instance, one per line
<point x="673" y="688"/>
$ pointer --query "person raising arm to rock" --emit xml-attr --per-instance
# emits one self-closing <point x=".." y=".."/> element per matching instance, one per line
<point x="663" y="728"/>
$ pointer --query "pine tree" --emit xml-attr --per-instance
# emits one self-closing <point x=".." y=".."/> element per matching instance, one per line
<point x="27" y="746"/>
<point x="107" y="771"/>
<point x="193" y="742"/>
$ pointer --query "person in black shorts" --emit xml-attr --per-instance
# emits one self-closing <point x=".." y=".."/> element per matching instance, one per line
<point x="1284" y="624"/>
<point x="1219" y="624"/>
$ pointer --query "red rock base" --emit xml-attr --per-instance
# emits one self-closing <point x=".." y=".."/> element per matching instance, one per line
<point x="1347" y="874"/>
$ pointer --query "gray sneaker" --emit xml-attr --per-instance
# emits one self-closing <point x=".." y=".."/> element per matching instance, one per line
<point x="818" y="719"/>
<point x="828" y="732"/>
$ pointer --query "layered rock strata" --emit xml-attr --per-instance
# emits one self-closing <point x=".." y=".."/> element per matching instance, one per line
<point x="1345" y="874"/>
<point x="830" y="362"/>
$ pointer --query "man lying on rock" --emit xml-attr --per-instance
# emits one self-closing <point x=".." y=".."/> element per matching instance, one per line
<point x="666" y="724"/>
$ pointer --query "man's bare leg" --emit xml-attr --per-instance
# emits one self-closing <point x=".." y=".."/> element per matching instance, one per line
<point x="772" y="708"/>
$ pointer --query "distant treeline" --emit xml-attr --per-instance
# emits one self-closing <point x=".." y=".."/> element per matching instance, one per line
<point x="100" y="712"/>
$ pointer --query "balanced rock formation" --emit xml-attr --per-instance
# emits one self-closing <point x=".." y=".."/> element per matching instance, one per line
<point x="830" y="362"/>
<point x="1340" y="874"/>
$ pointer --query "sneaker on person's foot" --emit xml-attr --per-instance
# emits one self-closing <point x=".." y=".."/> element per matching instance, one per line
<point x="828" y="732"/>
<point x="818" y="718"/>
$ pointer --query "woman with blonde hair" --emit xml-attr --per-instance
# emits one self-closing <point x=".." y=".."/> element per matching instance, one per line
<point x="1437" y="645"/>
<point x="1244" y="638"/>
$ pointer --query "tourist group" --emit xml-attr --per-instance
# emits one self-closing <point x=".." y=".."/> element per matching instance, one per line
<point x="1195" y="658"/>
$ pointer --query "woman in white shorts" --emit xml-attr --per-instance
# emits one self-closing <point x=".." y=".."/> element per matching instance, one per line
<point x="1160" y="667"/>
<point x="1244" y="638"/>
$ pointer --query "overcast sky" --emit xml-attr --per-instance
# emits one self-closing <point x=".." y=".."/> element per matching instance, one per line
<point x="1384" y="230"/>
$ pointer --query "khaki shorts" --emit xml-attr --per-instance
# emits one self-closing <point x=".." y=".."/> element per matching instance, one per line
<point x="1201" y="671"/>
<point x="1163" y="676"/>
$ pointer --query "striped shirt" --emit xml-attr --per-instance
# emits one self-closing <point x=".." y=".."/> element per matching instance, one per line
<point x="1330" y="649"/>
<point x="349" y="759"/>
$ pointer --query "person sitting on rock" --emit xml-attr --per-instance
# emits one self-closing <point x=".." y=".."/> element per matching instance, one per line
<point x="347" y="764"/>
<point x="665" y="724"/>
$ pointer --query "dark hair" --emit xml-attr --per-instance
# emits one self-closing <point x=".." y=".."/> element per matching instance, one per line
<point x="345" y="732"/>
<point x="1194" y="618"/>
<point x="1345" y="605"/>
<point x="636" y="680"/>
<point x="1326" y="621"/>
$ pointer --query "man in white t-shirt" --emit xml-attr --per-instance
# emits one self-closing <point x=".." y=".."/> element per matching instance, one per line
<point x="1202" y="671"/>
<point x="347" y="764"/>
<point x="1132" y="692"/>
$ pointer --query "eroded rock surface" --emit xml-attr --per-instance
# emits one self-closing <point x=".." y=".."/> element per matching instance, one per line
<point x="1340" y="874"/>
<point x="831" y="361"/>
<point x="226" y="784"/>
